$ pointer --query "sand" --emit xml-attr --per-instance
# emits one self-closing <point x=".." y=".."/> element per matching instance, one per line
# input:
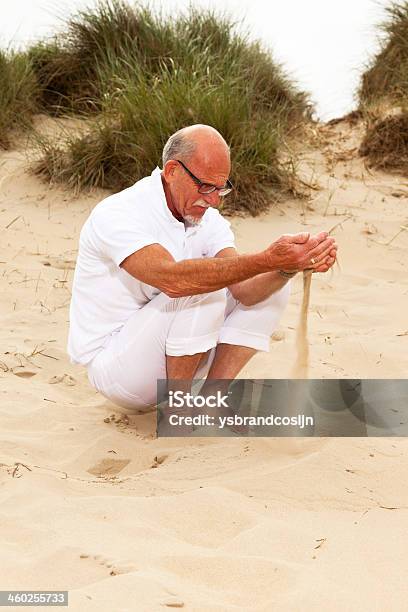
<point x="301" y="365"/>
<point x="93" y="503"/>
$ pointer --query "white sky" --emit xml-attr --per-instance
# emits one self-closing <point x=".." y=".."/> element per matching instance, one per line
<point x="323" y="44"/>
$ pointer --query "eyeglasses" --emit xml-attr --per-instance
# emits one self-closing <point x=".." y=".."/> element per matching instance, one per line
<point x="206" y="188"/>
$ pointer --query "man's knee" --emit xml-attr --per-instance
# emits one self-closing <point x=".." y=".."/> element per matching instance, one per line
<point x="197" y="323"/>
<point x="271" y="310"/>
<point x="277" y="301"/>
<point x="253" y="325"/>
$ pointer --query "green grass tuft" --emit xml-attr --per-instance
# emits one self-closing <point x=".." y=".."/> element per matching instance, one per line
<point x="19" y="94"/>
<point x="383" y="96"/>
<point x="387" y="76"/>
<point x="144" y="76"/>
<point x="137" y="77"/>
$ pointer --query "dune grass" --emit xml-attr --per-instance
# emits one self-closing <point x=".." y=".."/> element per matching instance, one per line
<point x="159" y="75"/>
<point x="387" y="76"/>
<point x="125" y="141"/>
<point x="68" y="66"/>
<point x="383" y="96"/>
<point x="139" y="76"/>
<point x="19" y="94"/>
<point x="385" y="144"/>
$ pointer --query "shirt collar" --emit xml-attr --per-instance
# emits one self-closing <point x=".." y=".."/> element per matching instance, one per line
<point x="157" y="181"/>
<point x="158" y="185"/>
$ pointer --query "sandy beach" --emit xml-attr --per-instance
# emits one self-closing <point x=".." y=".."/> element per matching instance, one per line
<point x="93" y="503"/>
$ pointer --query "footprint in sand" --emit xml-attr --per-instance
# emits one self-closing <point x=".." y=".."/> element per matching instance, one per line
<point x="64" y="378"/>
<point x="114" y="567"/>
<point x="108" y="467"/>
<point x="24" y="373"/>
<point x="122" y="419"/>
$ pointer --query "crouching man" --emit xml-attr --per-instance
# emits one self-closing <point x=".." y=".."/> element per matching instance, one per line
<point x="159" y="289"/>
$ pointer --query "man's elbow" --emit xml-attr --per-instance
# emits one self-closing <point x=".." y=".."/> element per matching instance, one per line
<point x="175" y="291"/>
<point x="182" y="290"/>
<point x="172" y="293"/>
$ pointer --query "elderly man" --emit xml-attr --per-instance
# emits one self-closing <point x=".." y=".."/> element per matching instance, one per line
<point x="159" y="289"/>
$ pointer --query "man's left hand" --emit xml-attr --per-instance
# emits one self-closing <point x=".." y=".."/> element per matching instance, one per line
<point x="327" y="263"/>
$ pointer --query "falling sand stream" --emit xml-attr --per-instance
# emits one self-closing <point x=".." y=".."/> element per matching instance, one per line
<point x="301" y="365"/>
<point x="297" y="399"/>
<point x="300" y="368"/>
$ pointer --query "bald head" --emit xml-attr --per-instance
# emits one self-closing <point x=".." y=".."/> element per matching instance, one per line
<point x="194" y="156"/>
<point x="196" y="143"/>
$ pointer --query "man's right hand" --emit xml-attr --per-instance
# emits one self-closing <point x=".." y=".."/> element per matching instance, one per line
<point x="296" y="252"/>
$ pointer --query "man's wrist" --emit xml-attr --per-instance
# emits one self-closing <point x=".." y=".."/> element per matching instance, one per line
<point x="262" y="262"/>
<point x="287" y="275"/>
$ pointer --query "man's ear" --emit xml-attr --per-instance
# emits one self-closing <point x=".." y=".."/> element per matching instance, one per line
<point x="169" y="170"/>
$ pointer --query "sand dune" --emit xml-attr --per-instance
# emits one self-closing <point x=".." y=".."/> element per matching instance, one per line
<point x="92" y="502"/>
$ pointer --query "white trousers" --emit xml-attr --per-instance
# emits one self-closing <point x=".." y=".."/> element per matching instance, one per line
<point x="126" y="370"/>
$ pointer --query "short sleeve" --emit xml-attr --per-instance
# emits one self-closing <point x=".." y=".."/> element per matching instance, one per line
<point x="219" y="234"/>
<point x="116" y="235"/>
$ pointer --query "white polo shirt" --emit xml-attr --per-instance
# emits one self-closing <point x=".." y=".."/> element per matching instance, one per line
<point x="104" y="295"/>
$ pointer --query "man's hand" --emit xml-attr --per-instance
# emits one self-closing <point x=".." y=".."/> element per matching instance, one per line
<point x="296" y="252"/>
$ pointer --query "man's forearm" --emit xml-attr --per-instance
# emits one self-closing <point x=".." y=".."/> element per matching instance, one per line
<point x="259" y="288"/>
<point x="195" y="276"/>
<point x="154" y="265"/>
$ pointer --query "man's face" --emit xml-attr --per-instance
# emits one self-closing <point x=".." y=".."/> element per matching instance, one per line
<point x="188" y="202"/>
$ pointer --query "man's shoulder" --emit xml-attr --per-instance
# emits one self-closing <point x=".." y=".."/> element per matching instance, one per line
<point x="136" y="199"/>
